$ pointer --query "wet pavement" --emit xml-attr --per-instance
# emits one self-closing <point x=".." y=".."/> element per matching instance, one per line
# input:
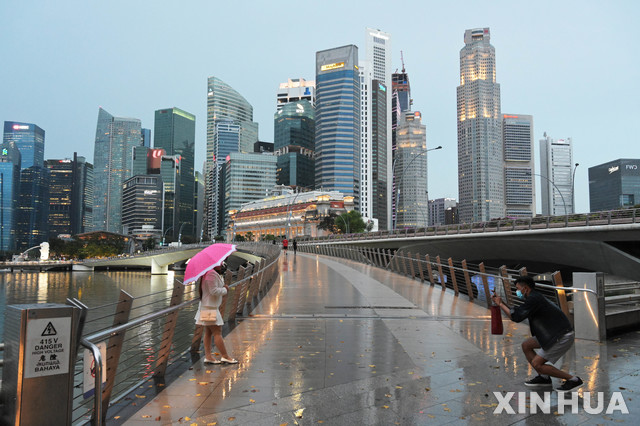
<point x="336" y="342"/>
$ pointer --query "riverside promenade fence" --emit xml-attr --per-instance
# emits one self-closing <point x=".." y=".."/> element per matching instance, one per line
<point x="612" y="217"/>
<point x="138" y="339"/>
<point x="476" y="282"/>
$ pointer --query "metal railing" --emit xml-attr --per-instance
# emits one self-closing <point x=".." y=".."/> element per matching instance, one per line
<point x="476" y="282"/>
<point x="612" y="217"/>
<point x="146" y="335"/>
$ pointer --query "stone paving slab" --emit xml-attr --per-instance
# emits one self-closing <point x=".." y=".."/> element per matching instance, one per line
<point x="336" y="342"/>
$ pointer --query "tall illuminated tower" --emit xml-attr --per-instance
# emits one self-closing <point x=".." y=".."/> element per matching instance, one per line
<point x="338" y="121"/>
<point x="480" y="149"/>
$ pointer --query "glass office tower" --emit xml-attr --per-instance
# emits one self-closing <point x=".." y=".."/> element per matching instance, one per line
<point x="338" y="121"/>
<point x="31" y="218"/>
<point x="115" y="139"/>
<point x="175" y="131"/>
<point x="411" y="172"/>
<point x="614" y="185"/>
<point x="480" y="154"/>
<point x="519" y="185"/>
<point x="60" y="197"/>
<point x="556" y="176"/>
<point x="294" y="143"/>
<point x="9" y="190"/>
<point x="224" y="104"/>
<point x="247" y="177"/>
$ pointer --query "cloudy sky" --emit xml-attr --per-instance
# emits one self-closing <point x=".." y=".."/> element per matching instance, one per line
<point x="570" y="64"/>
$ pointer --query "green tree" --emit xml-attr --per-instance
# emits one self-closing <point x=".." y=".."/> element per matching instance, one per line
<point x="240" y="238"/>
<point x="249" y="236"/>
<point x="351" y="220"/>
<point x="328" y="223"/>
<point x="268" y="237"/>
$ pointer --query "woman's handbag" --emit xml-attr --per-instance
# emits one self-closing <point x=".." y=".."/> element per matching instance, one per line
<point x="208" y="314"/>
<point x="496" y="320"/>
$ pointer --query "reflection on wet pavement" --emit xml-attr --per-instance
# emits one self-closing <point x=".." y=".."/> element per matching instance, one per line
<point x="335" y="342"/>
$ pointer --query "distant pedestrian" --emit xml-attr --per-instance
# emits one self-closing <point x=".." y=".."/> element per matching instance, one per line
<point x="552" y="334"/>
<point x="285" y="245"/>
<point x="295" y="246"/>
<point x="211" y="288"/>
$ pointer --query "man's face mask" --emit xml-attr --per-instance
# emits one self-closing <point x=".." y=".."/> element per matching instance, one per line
<point x="519" y="294"/>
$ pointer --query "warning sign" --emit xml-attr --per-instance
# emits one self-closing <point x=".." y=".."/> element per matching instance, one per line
<point x="47" y="347"/>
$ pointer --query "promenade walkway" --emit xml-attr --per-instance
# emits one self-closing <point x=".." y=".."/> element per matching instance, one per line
<point x="336" y="342"/>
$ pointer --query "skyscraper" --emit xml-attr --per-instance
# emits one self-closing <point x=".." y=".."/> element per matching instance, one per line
<point x="247" y="177"/>
<point x="519" y="185"/>
<point x="175" y="131"/>
<point x="31" y="217"/>
<point x="226" y="109"/>
<point x="480" y="153"/>
<point x="9" y="191"/>
<point x="60" y="196"/>
<point x="294" y="90"/>
<point x="294" y="143"/>
<point x="379" y="153"/>
<point x="115" y="139"/>
<point x="400" y="102"/>
<point x="376" y="65"/>
<point x="411" y="172"/>
<point x="338" y="121"/>
<point x="614" y="185"/>
<point x="556" y="182"/>
<point x="81" y="195"/>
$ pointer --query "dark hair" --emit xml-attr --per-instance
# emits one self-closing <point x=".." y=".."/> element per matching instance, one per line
<point x="526" y="280"/>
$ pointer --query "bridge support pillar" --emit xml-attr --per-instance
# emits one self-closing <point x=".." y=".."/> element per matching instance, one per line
<point x="157" y="269"/>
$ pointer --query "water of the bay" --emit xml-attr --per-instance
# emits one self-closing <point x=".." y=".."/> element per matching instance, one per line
<point x="94" y="289"/>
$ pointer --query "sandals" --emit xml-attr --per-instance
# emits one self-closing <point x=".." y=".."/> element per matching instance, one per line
<point x="212" y="361"/>
<point x="228" y="361"/>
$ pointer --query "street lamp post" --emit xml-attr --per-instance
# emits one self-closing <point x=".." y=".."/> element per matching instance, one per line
<point x="288" y="232"/>
<point x="165" y="234"/>
<point x="573" y="185"/>
<point x="393" y="168"/>
<point x="180" y="233"/>
<point x="558" y="189"/>
<point x="346" y="224"/>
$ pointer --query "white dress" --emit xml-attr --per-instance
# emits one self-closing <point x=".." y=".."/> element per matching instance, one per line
<point x="212" y="292"/>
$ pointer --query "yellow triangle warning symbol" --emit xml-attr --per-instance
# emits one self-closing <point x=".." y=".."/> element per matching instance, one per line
<point x="49" y="330"/>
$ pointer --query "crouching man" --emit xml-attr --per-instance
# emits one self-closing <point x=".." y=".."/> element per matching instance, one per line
<point x="552" y="334"/>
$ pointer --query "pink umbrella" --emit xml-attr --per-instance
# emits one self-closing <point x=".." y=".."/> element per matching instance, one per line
<point x="206" y="260"/>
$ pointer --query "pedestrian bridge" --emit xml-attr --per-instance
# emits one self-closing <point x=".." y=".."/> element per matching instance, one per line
<point x="604" y="242"/>
<point x="157" y="260"/>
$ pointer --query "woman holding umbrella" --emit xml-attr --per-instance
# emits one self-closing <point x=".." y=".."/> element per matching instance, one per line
<point x="207" y="268"/>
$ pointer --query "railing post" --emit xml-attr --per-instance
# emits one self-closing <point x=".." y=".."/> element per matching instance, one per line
<point x="562" y="297"/>
<point x="485" y="283"/>
<point x="442" y="282"/>
<point x="114" y="348"/>
<point x="396" y="257"/>
<point x="411" y="268"/>
<point x="419" y="263"/>
<point x="506" y="285"/>
<point x="404" y="264"/>
<point x="453" y="276"/>
<point x="523" y="271"/>
<point x="169" y="327"/>
<point x="429" y="269"/>
<point x="379" y="258"/>
<point x="467" y="279"/>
